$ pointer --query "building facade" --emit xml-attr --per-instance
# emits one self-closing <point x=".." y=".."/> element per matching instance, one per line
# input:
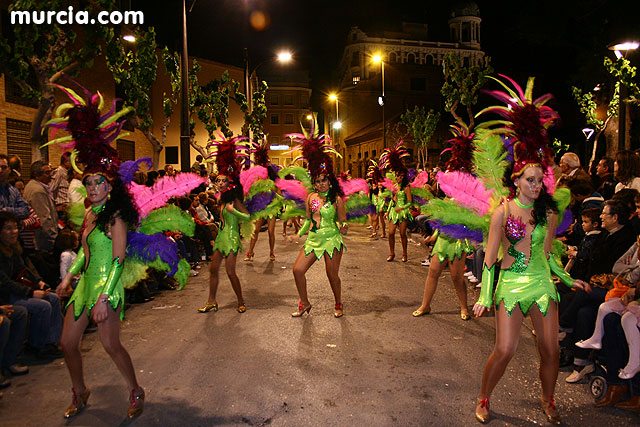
<point x="412" y="67"/>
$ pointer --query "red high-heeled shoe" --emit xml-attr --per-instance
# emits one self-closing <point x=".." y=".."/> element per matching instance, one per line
<point x="301" y="310"/>
<point x="390" y="257"/>
<point x="338" y="310"/>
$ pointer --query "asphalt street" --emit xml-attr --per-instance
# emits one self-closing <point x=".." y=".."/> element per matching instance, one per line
<point x="376" y="366"/>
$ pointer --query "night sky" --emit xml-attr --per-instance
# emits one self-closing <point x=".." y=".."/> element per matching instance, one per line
<point x="561" y="42"/>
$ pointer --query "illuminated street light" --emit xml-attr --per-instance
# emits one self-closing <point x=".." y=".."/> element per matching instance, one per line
<point x="285" y="56"/>
<point x="130" y="38"/>
<point x="377" y="58"/>
<point x="309" y="117"/>
<point x="337" y="125"/>
<point x="621" y="50"/>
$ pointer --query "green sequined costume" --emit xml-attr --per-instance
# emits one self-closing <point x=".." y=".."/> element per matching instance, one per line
<point x="448" y="248"/>
<point x="228" y="239"/>
<point x="525" y="284"/>
<point x="323" y="239"/>
<point x="101" y="275"/>
<point x="401" y="202"/>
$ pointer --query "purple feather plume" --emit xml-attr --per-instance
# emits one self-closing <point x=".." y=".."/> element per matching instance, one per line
<point x="259" y="202"/>
<point x="411" y="174"/>
<point x="129" y="168"/>
<point x="567" y="220"/>
<point x="458" y="231"/>
<point x="360" y="212"/>
<point x="148" y="247"/>
<point x="419" y="200"/>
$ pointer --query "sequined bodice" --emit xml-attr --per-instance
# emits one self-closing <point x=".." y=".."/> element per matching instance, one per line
<point x="515" y="232"/>
<point x="99" y="253"/>
<point x="401" y="198"/>
<point x="327" y="216"/>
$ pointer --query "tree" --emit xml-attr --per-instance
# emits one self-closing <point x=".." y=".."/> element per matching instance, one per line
<point x="623" y="74"/>
<point x="135" y="70"/>
<point x="48" y="52"/>
<point x="421" y="126"/>
<point x="461" y="85"/>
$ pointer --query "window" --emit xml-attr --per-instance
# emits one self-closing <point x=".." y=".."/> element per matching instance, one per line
<point x="19" y="143"/>
<point x="304" y="101"/>
<point x="355" y="59"/>
<point x="366" y="154"/>
<point x="275" y="160"/>
<point x="274" y="100"/>
<point x="373" y="153"/>
<point x="418" y="83"/>
<point x="126" y="149"/>
<point x="356" y="80"/>
<point x="411" y="58"/>
<point x="275" y="119"/>
<point x="288" y="119"/>
<point x="171" y="155"/>
<point x="359" y="156"/>
<point x="288" y="100"/>
<point x="393" y="57"/>
<point x="429" y="60"/>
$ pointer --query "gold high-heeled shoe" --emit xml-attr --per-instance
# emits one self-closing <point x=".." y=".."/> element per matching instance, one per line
<point x="482" y="410"/>
<point x="465" y="316"/>
<point x="339" y="311"/>
<point x="136" y="403"/>
<point x="301" y="310"/>
<point x="208" y="307"/>
<point x="419" y="313"/>
<point x="550" y="410"/>
<point x="78" y="403"/>
<point x="272" y="257"/>
<point x="241" y="308"/>
<point x="249" y="257"/>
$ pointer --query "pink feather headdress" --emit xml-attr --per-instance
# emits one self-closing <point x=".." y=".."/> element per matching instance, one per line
<point x="392" y="158"/>
<point x="461" y="149"/>
<point x="316" y="150"/>
<point x="229" y="154"/>
<point x="527" y="122"/>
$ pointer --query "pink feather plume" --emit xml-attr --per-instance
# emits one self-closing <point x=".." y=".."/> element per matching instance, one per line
<point x="351" y="186"/>
<point x="294" y="187"/>
<point x="248" y="177"/>
<point x="549" y="180"/>
<point x="465" y="189"/>
<point x="150" y="198"/>
<point x="421" y="180"/>
<point x="389" y="185"/>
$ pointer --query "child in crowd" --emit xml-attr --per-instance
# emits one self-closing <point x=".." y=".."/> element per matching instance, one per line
<point x="66" y="242"/>
<point x="579" y="256"/>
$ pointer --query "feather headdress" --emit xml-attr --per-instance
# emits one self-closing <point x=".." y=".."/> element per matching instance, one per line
<point x="461" y="149"/>
<point x="316" y="150"/>
<point x="229" y="154"/>
<point x="526" y="123"/>
<point x="374" y="174"/>
<point x="91" y="133"/>
<point x="260" y="151"/>
<point x="392" y="158"/>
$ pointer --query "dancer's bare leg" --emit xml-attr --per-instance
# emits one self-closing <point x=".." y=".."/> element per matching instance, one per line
<point x="548" y="347"/>
<point x="403" y="237"/>
<point x="214" y="268"/>
<point x="254" y="238"/>
<point x="332" y="267"/>
<point x="300" y="268"/>
<point x="271" y="229"/>
<point x="457" y="277"/>
<point x="70" y="343"/>
<point x="392" y="238"/>
<point x="431" y="284"/>
<point x="109" y="332"/>
<point x="230" y="267"/>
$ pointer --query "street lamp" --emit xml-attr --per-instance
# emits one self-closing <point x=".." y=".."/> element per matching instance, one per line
<point x="381" y="99"/>
<point x="618" y="49"/>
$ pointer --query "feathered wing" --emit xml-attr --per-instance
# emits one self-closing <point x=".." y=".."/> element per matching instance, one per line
<point x="294" y="191"/>
<point x="129" y="168"/>
<point x="356" y="198"/>
<point x="461" y="221"/>
<point x="167" y="218"/>
<point x="490" y="160"/>
<point x="150" y="198"/>
<point x="466" y="190"/>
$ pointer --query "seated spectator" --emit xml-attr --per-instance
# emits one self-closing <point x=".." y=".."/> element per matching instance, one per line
<point x="627" y="170"/>
<point x="13" y="327"/>
<point x="10" y="198"/>
<point x="629" y="196"/>
<point x="15" y="164"/>
<point x="28" y="225"/>
<point x="578" y="309"/>
<point x="195" y="167"/>
<point x="606" y="181"/>
<point x="44" y="307"/>
<point x="583" y="197"/>
<point x="201" y="233"/>
<point x="169" y="171"/>
<point x="152" y="177"/>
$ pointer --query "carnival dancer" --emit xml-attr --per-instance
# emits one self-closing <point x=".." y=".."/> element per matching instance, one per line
<point x="398" y="210"/>
<point x="227" y="154"/>
<point x="261" y="159"/>
<point x="325" y="219"/>
<point x="378" y="195"/>
<point x="526" y="226"/>
<point x="448" y="250"/>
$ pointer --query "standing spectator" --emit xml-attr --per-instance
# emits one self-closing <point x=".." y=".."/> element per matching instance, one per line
<point x="15" y="164"/>
<point x="627" y="170"/>
<point x="60" y="182"/>
<point x="604" y="172"/>
<point x="38" y="195"/>
<point x="152" y="177"/>
<point x="571" y="170"/>
<point x="66" y="243"/>
<point x="76" y="189"/>
<point x="10" y="198"/>
<point x="169" y="170"/>
<point x="196" y="166"/>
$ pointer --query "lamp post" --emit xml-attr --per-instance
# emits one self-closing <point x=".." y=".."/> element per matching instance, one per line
<point x="618" y="48"/>
<point x="185" y="146"/>
<point x="337" y="124"/>
<point x="381" y="100"/>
